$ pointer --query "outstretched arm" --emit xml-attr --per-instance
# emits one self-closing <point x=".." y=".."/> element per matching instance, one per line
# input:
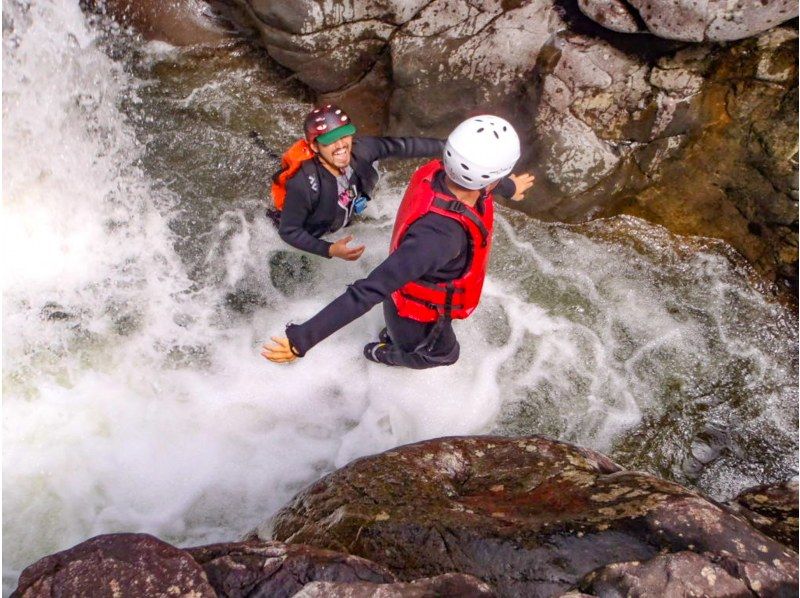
<point x="515" y="185"/>
<point x="378" y="148"/>
<point x="429" y="244"/>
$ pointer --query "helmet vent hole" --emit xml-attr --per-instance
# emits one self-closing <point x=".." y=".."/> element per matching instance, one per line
<point x="466" y="178"/>
<point x="495" y="134"/>
<point x="484" y="176"/>
<point x="505" y="128"/>
<point x="449" y="154"/>
<point x="480" y="130"/>
<point x="464" y="166"/>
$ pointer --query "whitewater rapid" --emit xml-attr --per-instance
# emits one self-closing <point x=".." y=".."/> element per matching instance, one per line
<point x="134" y="395"/>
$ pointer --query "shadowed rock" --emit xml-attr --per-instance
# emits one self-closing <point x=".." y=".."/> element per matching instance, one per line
<point x="255" y="568"/>
<point x="530" y="516"/>
<point x="116" y="565"/>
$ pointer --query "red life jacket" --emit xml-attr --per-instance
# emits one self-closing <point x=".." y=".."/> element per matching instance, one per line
<point x="291" y="162"/>
<point x="427" y="302"/>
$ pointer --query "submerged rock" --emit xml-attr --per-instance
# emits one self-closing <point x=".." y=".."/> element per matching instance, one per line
<point x="177" y="22"/>
<point x="529" y="516"/>
<point x="771" y="508"/>
<point x="116" y="565"/>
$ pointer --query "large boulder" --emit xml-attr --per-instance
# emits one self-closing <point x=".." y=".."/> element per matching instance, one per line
<point x="685" y="138"/>
<point x="691" y="20"/>
<point x="116" y="565"/>
<point x="771" y="508"/>
<point x="529" y="516"/>
<point x="241" y="569"/>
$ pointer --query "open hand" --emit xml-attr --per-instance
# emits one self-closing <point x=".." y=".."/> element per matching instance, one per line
<point x="523" y="182"/>
<point x="280" y="351"/>
<point x="341" y="250"/>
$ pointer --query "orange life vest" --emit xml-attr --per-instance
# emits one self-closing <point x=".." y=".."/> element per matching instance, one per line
<point x="291" y="162"/>
<point x="427" y="302"/>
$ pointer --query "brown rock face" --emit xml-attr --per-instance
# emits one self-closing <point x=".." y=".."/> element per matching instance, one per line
<point x="529" y="516"/>
<point x="241" y="569"/>
<point x="178" y="22"/>
<point x="773" y="509"/>
<point x="116" y="565"/>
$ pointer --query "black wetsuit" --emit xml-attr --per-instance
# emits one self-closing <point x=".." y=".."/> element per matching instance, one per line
<point x="434" y="249"/>
<point x="312" y="210"/>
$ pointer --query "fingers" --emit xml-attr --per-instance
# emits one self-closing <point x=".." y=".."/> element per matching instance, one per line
<point x="354" y="253"/>
<point x="523" y="182"/>
<point x="278" y="352"/>
<point x="341" y="250"/>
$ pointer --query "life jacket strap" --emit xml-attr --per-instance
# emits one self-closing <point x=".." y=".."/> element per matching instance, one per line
<point x="459" y="207"/>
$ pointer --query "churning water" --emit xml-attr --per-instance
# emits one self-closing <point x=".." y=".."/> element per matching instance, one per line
<point x="138" y="289"/>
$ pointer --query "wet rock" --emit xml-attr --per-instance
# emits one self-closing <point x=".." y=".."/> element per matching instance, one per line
<point x="178" y="22"/>
<point x="771" y="508"/>
<point x="684" y="138"/>
<point x="116" y="565"/>
<point x="529" y="516"/>
<point x="450" y="585"/>
<point x="679" y="574"/>
<point x="241" y="569"/>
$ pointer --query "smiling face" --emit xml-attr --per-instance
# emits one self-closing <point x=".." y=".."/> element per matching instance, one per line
<point x="335" y="155"/>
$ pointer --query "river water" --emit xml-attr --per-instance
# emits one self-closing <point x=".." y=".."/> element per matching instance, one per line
<point x="138" y="289"/>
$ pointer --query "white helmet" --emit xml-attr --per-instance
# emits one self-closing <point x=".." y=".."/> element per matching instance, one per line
<point x="480" y="151"/>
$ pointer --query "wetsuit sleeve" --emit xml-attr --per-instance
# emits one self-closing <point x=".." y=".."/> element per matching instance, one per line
<point x="296" y="210"/>
<point x="506" y="188"/>
<point x="378" y="148"/>
<point x="429" y="244"/>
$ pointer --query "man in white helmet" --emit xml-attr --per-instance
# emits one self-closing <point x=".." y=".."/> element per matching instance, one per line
<point x="439" y="254"/>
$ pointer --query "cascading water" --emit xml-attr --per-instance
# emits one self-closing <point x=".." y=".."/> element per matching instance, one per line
<point x="138" y="289"/>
